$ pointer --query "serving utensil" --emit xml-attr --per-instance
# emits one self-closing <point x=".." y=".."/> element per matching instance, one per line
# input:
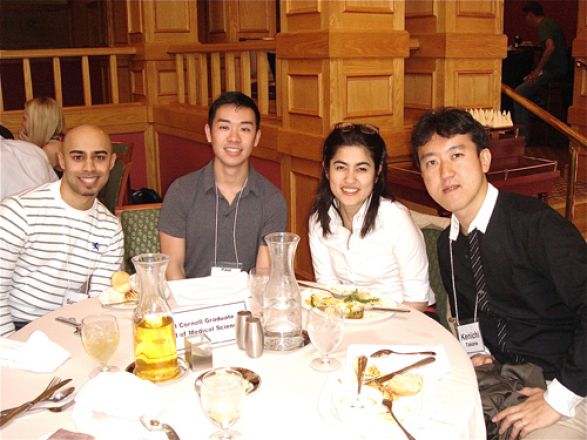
<point x="57" y="397"/>
<point x="53" y="386"/>
<point x="389" y="404"/>
<point x="387" y="377"/>
<point x="155" y="425"/>
<point x="386" y="352"/>
<point x="321" y="287"/>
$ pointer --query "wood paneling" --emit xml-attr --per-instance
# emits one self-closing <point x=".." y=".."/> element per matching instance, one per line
<point x="368" y="95"/>
<point x="134" y="17"/>
<point x="218" y="21"/>
<point x="305" y="94"/>
<point x="344" y="44"/>
<point x="256" y="18"/>
<point x="420" y="8"/>
<point x="419" y="90"/>
<point x="474" y="89"/>
<point x="303" y="177"/>
<point x="174" y="17"/>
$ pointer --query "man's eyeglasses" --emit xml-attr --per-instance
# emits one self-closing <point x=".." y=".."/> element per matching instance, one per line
<point x="363" y="128"/>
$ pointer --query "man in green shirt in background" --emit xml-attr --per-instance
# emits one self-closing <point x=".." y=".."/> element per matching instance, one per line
<point x="553" y="62"/>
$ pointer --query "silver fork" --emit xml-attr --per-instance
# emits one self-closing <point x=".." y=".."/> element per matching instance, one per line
<point x="58" y="408"/>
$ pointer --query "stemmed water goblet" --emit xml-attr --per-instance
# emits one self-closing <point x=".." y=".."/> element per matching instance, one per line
<point x="221" y="395"/>
<point x="100" y="337"/>
<point x="325" y="328"/>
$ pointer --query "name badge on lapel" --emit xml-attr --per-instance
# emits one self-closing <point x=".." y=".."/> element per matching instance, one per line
<point x="471" y="338"/>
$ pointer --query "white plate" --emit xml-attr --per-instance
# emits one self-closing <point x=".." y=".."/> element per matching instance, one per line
<point x="369" y="317"/>
<point x="414" y="412"/>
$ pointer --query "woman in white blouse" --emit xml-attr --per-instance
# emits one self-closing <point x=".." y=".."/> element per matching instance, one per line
<point x="359" y="237"/>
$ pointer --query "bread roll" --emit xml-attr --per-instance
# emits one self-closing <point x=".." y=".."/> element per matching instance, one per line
<point x="405" y="384"/>
<point x="121" y="281"/>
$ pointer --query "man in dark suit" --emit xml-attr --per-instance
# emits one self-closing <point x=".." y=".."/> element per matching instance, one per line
<point x="516" y="273"/>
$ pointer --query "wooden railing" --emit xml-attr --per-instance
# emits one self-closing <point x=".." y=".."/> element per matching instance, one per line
<point x="205" y="71"/>
<point x="57" y="56"/>
<point x="576" y="142"/>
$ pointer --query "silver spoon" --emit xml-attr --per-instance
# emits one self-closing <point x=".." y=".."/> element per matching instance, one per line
<point x="156" y="425"/>
<point x="57" y="397"/>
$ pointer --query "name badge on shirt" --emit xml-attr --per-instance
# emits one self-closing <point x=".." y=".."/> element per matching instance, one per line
<point x="74" y="297"/>
<point x="471" y="338"/>
<point x="225" y="268"/>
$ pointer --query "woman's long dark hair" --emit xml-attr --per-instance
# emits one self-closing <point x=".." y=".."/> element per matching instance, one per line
<point x="348" y="135"/>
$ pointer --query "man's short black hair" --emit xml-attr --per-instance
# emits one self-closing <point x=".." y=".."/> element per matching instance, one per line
<point x="447" y="122"/>
<point x="238" y="99"/>
<point x="535" y="8"/>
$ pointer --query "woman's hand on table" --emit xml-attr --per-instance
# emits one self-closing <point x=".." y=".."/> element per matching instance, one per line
<point x="534" y="413"/>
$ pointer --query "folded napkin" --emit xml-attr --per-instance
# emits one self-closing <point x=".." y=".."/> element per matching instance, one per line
<point x="213" y="289"/>
<point x="38" y="354"/>
<point x="110" y="405"/>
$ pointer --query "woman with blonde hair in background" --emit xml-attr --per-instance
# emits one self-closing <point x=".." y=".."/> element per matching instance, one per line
<point x="42" y="125"/>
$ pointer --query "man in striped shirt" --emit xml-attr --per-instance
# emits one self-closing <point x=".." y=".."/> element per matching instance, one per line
<point x="58" y="243"/>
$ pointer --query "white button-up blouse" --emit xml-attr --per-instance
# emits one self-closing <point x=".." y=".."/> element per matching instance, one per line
<point x="390" y="260"/>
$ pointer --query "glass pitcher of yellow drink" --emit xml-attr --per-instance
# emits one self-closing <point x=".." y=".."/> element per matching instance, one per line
<point x="153" y="329"/>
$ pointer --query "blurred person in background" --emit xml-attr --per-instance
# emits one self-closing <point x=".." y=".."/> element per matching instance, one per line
<point x="552" y="64"/>
<point x="42" y="125"/>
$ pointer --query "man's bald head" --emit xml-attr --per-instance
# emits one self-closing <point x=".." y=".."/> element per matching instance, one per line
<point x="88" y="134"/>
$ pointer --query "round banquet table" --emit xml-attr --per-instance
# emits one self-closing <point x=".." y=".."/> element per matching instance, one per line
<point x="286" y="404"/>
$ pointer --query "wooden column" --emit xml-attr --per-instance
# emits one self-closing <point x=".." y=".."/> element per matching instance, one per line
<point x="341" y="61"/>
<point x="152" y="26"/>
<point x="577" y="116"/>
<point x="458" y="62"/>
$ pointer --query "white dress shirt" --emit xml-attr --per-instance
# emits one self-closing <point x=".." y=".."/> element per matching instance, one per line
<point x="390" y="260"/>
<point x="22" y="166"/>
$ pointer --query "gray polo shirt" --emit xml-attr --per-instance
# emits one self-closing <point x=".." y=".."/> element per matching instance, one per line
<point x="189" y="212"/>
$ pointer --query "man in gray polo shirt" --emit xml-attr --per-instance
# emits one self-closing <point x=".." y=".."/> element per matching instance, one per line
<point x="216" y="218"/>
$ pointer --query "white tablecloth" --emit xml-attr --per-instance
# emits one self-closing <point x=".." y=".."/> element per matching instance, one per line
<point x="286" y="405"/>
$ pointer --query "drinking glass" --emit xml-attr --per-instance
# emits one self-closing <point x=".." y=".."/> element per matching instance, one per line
<point x="258" y="277"/>
<point x="100" y="337"/>
<point x="220" y="395"/>
<point x="325" y="327"/>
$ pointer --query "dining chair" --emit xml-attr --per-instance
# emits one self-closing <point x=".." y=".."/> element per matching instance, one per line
<point x="140" y="225"/>
<point x="114" y="193"/>
<point x="431" y="234"/>
<point x="124" y="152"/>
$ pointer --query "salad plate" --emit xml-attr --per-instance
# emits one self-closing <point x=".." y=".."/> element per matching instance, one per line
<point x="356" y="304"/>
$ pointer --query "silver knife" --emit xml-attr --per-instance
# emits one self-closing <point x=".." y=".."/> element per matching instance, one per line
<point x="70" y="321"/>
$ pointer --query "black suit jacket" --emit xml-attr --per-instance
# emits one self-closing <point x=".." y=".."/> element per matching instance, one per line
<point x="535" y="264"/>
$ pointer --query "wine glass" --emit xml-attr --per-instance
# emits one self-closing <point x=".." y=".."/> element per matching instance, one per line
<point x="220" y="395"/>
<point x="100" y="337"/>
<point x="325" y="327"/>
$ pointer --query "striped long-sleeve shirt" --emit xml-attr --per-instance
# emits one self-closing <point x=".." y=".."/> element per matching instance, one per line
<point x="49" y="249"/>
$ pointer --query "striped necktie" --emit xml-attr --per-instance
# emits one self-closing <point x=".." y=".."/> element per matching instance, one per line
<point x="481" y="290"/>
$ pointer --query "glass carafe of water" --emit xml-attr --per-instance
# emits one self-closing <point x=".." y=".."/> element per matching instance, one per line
<point x="153" y="329"/>
<point x="282" y="314"/>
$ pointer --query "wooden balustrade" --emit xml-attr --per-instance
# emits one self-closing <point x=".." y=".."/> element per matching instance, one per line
<point x="205" y="71"/>
<point x="57" y="55"/>
<point x="576" y="141"/>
